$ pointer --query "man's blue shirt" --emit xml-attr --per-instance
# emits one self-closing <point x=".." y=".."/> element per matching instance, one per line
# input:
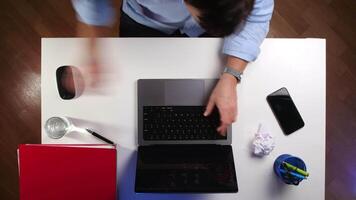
<point x="171" y="15"/>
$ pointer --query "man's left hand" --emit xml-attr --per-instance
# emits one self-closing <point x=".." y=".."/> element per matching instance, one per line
<point x="224" y="97"/>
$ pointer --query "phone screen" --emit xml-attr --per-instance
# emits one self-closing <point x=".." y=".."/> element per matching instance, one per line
<point x="285" y="111"/>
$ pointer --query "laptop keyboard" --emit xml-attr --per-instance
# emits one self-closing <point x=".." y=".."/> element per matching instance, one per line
<point x="180" y="123"/>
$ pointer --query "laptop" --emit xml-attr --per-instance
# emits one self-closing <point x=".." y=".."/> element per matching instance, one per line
<point x="179" y="149"/>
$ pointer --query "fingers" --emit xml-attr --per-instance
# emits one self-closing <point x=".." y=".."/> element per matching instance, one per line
<point x="225" y="122"/>
<point x="94" y="73"/>
<point x="222" y="129"/>
<point x="227" y="117"/>
<point x="209" y="107"/>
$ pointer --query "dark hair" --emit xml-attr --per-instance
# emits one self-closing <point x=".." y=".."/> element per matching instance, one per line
<point x="221" y="17"/>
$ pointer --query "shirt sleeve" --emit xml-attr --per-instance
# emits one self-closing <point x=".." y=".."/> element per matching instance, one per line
<point x="94" y="12"/>
<point x="245" y="42"/>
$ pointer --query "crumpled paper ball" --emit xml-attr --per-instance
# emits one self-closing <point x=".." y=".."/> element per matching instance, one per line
<point x="263" y="142"/>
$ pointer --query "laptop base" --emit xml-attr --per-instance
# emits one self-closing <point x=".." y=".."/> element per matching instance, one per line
<point x="185" y="169"/>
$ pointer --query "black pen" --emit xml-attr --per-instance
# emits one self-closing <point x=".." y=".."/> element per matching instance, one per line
<point x="100" y="137"/>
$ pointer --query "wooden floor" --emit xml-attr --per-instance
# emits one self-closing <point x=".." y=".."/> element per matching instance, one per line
<point x="24" y="22"/>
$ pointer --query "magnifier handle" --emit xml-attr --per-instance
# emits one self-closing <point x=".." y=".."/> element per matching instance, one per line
<point x="100" y="137"/>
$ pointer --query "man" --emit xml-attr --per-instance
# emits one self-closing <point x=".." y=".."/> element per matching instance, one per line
<point x="243" y="23"/>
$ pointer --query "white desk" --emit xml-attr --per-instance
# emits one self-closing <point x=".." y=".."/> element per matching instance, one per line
<point x="297" y="64"/>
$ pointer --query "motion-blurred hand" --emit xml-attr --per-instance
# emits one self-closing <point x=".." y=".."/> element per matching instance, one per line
<point x="224" y="97"/>
<point x="93" y="72"/>
<point x="91" y="68"/>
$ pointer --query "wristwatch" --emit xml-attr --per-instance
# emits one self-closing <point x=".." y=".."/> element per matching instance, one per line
<point x="236" y="74"/>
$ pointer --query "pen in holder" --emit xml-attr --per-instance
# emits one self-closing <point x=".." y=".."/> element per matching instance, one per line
<point x="290" y="169"/>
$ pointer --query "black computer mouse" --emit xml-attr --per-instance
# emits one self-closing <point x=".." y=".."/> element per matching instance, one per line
<point x="70" y="82"/>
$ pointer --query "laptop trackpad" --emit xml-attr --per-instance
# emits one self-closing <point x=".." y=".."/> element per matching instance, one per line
<point x="184" y="92"/>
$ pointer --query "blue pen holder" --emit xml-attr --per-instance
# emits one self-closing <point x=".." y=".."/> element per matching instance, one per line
<point x="280" y="171"/>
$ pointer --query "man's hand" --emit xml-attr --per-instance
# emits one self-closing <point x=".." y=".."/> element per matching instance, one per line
<point x="224" y="97"/>
<point x="92" y="68"/>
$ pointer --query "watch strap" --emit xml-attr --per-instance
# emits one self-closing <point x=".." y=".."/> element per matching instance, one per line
<point x="235" y="73"/>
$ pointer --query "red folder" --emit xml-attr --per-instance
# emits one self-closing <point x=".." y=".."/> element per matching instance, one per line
<point x="66" y="172"/>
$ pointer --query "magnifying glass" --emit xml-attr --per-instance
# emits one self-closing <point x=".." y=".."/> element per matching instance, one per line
<point x="57" y="127"/>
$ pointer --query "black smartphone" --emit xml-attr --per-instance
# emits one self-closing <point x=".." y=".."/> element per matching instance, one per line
<point x="285" y="111"/>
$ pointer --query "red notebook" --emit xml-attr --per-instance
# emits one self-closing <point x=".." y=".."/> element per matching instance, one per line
<point x="51" y="172"/>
